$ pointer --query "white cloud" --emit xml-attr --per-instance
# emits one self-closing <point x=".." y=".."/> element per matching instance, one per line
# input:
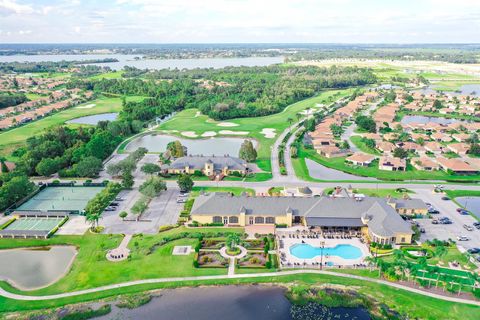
<point x="12" y="7"/>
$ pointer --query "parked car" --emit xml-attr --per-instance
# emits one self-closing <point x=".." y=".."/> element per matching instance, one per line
<point x="110" y="209"/>
<point x="464" y="213"/>
<point x="463" y="238"/>
<point x="435" y="221"/>
<point x="433" y="211"/>
<point x="119" y="199"/>
<point x="422" y="230"/>
<point x="428" y="204"/>
<point x="478" y="258"/>
<point x="181" y="200"/>
<point x="473" y="250"/>
<point x="469" y="228"/>
<point x="445" y="198"/>
<point x="114" y="204"/>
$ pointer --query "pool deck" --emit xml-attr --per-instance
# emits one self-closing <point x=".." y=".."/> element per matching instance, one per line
<point x="329" y="243"/>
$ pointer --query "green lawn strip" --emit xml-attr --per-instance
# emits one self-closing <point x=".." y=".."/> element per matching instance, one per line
<point x="373" y="171"/>
<point x="235" y="190"/>
<point x="357" y="141"/>
<point x="18" y="136"/>
<point x="108" y="75"/>
<point x="415" y="305"/>
<point x="381" y="193"/>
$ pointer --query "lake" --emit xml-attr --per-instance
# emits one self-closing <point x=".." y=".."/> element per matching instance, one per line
<point x="471" y="204"/>
<point x="465" y="90"/>
<point x="228" y="302"/>
<point x="318" y="171"/>
<point x="134" y="61"/>
<point x="95" y="119"/>
<point x="206" y="147"/>
<point x="424" y="119"/>
<point x="30" y="269"/>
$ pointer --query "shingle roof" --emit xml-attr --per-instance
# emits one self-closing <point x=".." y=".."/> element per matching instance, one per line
<point x="384" y="220"/>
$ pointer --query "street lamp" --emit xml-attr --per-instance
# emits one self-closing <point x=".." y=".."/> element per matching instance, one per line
<point x="322" y="245"/>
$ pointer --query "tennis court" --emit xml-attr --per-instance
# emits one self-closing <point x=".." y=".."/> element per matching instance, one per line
<point x="34" y="224"/>
<point x="61" y="198"/>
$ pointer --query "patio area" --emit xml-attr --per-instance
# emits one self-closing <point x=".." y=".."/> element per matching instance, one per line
<point x="305" y="249"/>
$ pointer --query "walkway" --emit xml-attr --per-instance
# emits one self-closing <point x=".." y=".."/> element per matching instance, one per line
<point x="15" y="296"/>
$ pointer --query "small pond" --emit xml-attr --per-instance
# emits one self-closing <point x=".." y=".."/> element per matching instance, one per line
<point x="318" y="171"/>
<point x="472" y="204"/>
<point x="206" y="147"/>
<point x="229" y="302"/>
<point x="95" y="119"/>
<point x="465" y="90"/>
<point x="424" y="120"/>
<point x="34" y="268"/>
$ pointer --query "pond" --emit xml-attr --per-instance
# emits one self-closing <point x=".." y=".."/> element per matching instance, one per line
<point x="318" y="171"/>
<point x="206" y="147"/>
<point x="95" y="119"/>
<point x="423" y="119"/>
<point x="229" y="302"/>
<point x="138" y="62"/>
<point x="472" y="204"/>
<point x="465" y="90"/>
<point x="35" y="268"/>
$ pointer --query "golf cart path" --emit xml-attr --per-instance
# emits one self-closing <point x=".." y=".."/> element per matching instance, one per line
<point x="15" y="296"/>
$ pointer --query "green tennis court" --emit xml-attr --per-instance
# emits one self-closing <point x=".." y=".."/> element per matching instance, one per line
<point x="36" y="224"/>
<point x="61" y="198"/>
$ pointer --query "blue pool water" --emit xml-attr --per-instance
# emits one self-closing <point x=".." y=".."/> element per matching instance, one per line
<point x="306" y="251"/>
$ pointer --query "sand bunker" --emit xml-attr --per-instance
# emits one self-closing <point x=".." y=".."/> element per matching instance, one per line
<point x="209" y="134"/>
<point x="269" y="133"/>
<point x="227" y="124"/>
<point x="236" y="133"/>
<point x="88" y="106"/>
<point x="189" y="134"/>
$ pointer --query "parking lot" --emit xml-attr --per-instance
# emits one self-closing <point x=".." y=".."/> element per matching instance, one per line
<point x="447" y="208"/>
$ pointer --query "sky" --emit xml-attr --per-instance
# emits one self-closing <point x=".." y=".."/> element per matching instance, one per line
<point x="240" y="21"/>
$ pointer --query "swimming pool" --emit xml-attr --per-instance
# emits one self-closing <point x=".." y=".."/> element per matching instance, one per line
<point x="345" y="251"/>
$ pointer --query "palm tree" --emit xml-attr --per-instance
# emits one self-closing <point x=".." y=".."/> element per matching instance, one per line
<point x="298" y="115"/>
<point x="233" y="240"/>
<point x="371" y="262"/>
<point x="92" y="219"/>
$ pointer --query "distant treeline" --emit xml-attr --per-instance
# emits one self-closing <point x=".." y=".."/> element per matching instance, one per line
<point x="227" y="93"/>
<point x="447" y="55"/>
<point x="48" y="66"/>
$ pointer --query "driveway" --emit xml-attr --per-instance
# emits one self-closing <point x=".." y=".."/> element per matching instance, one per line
<point x="447" y="231"/>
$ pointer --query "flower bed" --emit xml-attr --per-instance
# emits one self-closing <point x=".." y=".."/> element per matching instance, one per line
<point x="205" y="259"/>
<point x="253" y="260"/>
<point x="254" y="244"/>
<point x="212" y="244"/>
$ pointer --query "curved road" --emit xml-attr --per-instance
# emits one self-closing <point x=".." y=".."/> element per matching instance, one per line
<point x="15" y="296"/>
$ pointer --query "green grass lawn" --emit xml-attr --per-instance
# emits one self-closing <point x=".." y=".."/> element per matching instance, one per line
<point x="339" y="164"/>
<point x="16" y="137"/>
<point x="357" y="141"/>
<point x="381" y="193"/>
<point x="108" y="75"/>
<point x="235" y="190"/>
<point x="34" y="96"/>
<point x="189" y="120"/>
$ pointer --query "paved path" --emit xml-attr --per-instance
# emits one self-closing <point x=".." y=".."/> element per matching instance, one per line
<point x="15" y="296"/>
<point x="274" y="157"/>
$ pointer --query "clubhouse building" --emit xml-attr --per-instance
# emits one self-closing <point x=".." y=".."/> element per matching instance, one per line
<point x="373" y="217"/>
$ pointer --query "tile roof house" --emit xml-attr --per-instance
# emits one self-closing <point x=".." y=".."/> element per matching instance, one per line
<point x="360" y="159"/>
<point x="425" y="164"/>
<point x="332" y="151"/>
<point x="459" y="148"/>
<point x="457" y="166"/>
<point x="392" y="164"/>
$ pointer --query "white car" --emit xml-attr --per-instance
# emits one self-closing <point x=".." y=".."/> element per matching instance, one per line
<point x="463" y="238"/>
